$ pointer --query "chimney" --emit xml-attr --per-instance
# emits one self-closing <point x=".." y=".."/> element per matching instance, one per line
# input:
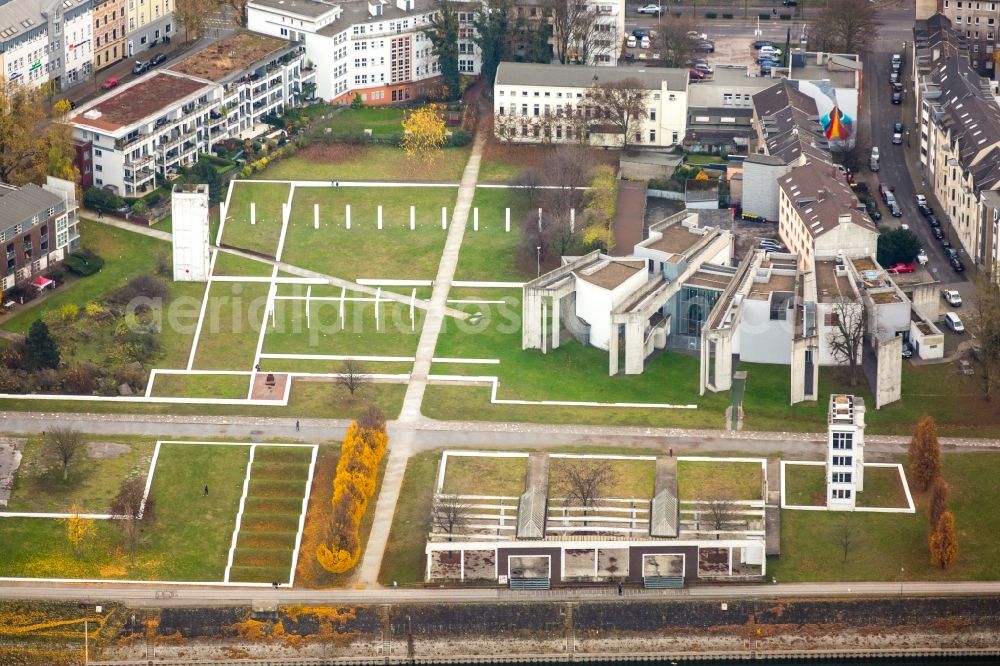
<point x="844" y="218"/>
<point x="404" y="5"/>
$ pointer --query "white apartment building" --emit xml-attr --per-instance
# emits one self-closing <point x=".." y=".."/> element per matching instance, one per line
<point x="148" y="22"/>
<point x="845" y="452"/>
<point x="166" y="118"/>
<point x="46" y="40"/>
<point x="377" y="50"/>
<point x="959" y="120"/>
<point x="976" y="20"/>
<point x="535" y="103"/>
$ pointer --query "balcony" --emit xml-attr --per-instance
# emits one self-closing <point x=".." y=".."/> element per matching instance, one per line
<point x="138" y="162"/>
<point x="138" y="176"/>
<point x="175" y="139"/>
<point x="123" y="143"/>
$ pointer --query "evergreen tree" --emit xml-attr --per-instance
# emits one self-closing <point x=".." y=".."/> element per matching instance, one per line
<point x="939" y="501"/>
<point x="443" y="34"/>
<point x="493" y="27"/>
<point x="925" y="454"/>
<point x="206" y="173"/>
<point x="41" y="347"/>
<point x="944" y="541"/>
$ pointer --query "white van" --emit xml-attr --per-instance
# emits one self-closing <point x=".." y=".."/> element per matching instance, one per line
<point x="954" y="323"/>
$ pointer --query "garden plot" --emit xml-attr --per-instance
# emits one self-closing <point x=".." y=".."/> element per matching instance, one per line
<point x="230" y="328"/>
<point x="490" y="253"/>
<point x="265" y="543"/>
<point x="364" y="251"/>
<point x="719" y="498"/>
<point x="621" y="507"/>
<point x="885" y="488"/>
<point x="227" y="264"/>
<point x="199" y="385"/>
<point x="261" y="233"/>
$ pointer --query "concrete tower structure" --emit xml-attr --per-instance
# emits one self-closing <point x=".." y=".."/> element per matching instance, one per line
<point x="190" y="232"/>
<point x="845" y="457"/>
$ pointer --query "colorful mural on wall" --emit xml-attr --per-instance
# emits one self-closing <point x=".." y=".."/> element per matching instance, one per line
<point x="837" y="126"/>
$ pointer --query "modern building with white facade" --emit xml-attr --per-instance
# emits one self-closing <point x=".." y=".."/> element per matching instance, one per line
<point x="845" y="452"/>
<point x="38" y="227"/>
<point x="534" y="103"/>
<point x="959" y="121"/>
<point x="46" y="40"/>
<point x="378" y="51"/>
<point x="189" y="214"/>
<point x="164" y="119"/>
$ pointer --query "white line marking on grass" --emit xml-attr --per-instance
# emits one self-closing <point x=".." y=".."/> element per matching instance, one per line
<point x="388" y="282"/>
<point x="487" y="284"/>
<point x="201" y="314"/>
<point x="239" y="515"/>
<point x="302" y="517"/>
<point x="473" y="301"/>
<point x="339" y="357"/>
<point x="224" y="210"/>
<point x="271" y="291"/>
<point x="277" y="280"/>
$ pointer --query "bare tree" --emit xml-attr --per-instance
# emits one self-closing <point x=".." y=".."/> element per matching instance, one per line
<point x="449" y="516"/>
<point x="584" y="481"/>
<point x="64" y="444"/>
<point x="849" y="322"/>
<point x="505" y="126"/>
<point x="352" y="375"/>
<point x="722" y="512"/>
<point x="572" y="22"/>
<point x="677" y="46"/>
<point x="621" y="106"/>
<point x="527" y="184"/>
<point x="986" y="325"/>
<point x="845" y="26"/>
<point x="845" y="533"/>
<point x="130" y="509"/>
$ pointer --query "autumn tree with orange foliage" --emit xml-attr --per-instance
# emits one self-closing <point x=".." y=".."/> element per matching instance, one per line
<point x="925" y="454"/>
<point x="353" y="487"/>
<point x="944" y="541"/>
<point x="939" y="501"/>
<point x="424" y="133"/>
<point x="78" y="528"/>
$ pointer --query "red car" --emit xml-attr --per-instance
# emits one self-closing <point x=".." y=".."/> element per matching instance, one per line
<point x="902" y="268"/>
<point x="111" y="82"/>
<point x="695" y="75"/>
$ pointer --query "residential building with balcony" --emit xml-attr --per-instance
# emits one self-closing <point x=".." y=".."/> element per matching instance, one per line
<point x="148" y="22"/>
<point x="977" y="21"/>
<point x="166" y="118"/>
<point x="38" y="226"/>
<point x="600" y="45"/>
<point x="109" y="32"/>
<point x="46" y="40"/>
<point x="959" y="120"/>
<point x="378" y="51"/>
<point x="536" y="103"/>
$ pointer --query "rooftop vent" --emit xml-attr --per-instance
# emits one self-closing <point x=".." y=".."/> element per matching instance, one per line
<point x="93" y="114"/>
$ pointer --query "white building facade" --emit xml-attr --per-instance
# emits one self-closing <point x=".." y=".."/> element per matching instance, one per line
<point x="149" y="21"/>
<point x="845" y="452"/>
<point x="51" y="40"/>
<point x="534" y="103"/>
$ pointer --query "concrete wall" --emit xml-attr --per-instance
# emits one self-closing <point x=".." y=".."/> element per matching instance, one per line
<point x="889" y="381"/>
<point x="593" y="305"/>
<point x="927" y="345"/>
<point x="762" y="340"/>
<point x="890" y="318"/>
<point x="190" y="235"/>
<point x="926" y="299"/>
<point x="847" y="239"/>
<point x="760" y="189"/>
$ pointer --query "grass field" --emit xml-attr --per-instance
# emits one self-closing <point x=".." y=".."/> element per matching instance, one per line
<point x="262" y="236"/>
<point x="200" y="386"/>
<point x="631" y="478"/>
<point x="175" y="546"/>
<point x="93" y="477"/>
<point x="231" y="264"/>
<point x="805" y="485"/>
<point x="231" y="327"/>
<point x="491" y="253"/>
<point x="403" y="559"/>
<point x="381" y="121"/>
<point x="271" y="514"/>
<point x="883" y="488"/>
<point x="364" y="251"/>
<point x="359" y="162"/>
<point x="719" y="480"/>
<point x="468" y="475"/>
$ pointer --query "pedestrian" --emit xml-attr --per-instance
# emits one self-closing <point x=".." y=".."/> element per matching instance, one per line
<point x="296" y="426"/>
<point x="620" y="589"/>
<point x="100" y="214"/>
<point x="206" y="490"/>
<point x="257" y="367"/>
<point x="671" y="452"/>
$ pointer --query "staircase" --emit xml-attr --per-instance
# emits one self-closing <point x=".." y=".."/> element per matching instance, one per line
<point x="529" y="583"/>
<point x="663" y="582"/>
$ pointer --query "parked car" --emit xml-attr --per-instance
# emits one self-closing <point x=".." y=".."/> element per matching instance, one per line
<point x="922" y="257"/>
<point x="639" y="33"/>
<point x="874" y="162"/>
<point x="924" y="209"/>
<point x="893" y="77"/>
<point x="790" y="3"/>
<point x="705" y="47"/>
<point x="650" y="9"/>
<point x="765" y="69"/>
<point x="901" y="268"/>
<point x="140" y="67"/>
<point x="644" y="43"/>
<point x="952" y="297"/>
<point x="158" y="59"/>
<point x="630" y="41"/>
<point x="921" y="199"/>
<point x="956" y="264"/>
<point x="761" y="43"/>
<point x="898" y="127"/>
<point x="769" y="59"/>
<point x="897" y="139"/>
<point x="897" y="97"/>
<point x="110" y="82"/>
<point x="695" y="75"/>
<point x="907" y="350"/>
<point x="771" y="49"/>
<point x="897" y="60"/>
<point x="954" y="322"/>
<point x="933" y="220"/>
<point x="703" y="67"/>
<point x="895" y="210"/>
<point x="697" y="36"/>
<point x="937" y="233"/>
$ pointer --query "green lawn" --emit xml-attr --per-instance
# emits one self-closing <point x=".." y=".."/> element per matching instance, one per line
<point x="231" y="327"/>
<point x="332" y="366"/>
<point x="361" y="162"/>
<point x="364" y="251"/>
<point x="468" y="475"/>
<point x="263" y="235"/>
<point x="385" y="121"/>
<point x="403" y="560"/>
<point x="632" y="479"/>
<point x="200" y="386"/>
<point x="718" y="480"/>
<point x="231" y="264"/>
<point x="805" y="485"/>
<point x="886" y="542"/>
<point x="883" y="488"/>
<point x="491" y="253"/>
<point x="93" y="477"/>
<point x="175" y="547"/>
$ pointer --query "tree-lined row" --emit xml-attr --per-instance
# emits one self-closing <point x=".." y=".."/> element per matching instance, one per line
<point x="925" y="471"/>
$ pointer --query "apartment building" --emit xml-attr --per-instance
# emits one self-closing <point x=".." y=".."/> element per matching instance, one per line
<point x="109" y="32"/>
<point x="977" y="21"/>
<point x="376" y="50"/>
<point x="601" y="44"/>
<point x="38" y="226"/>
<point x="46" y="40"/>
<point x="164" y="119"/>
<point x="959" y="120"/>
<point x="535" y="103"/>
<point x="148" y="22"/>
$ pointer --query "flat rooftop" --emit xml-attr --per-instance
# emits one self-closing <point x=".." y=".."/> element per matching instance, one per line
<point x="229" y="56"/>
<point x="884" y="297"/>
<point x="612" y="274"/>
<point x="709" y="280"/>
<point x="812" y="72"/>
<point x="307" y="8"/>
<point x="676" y="239"/>
<point x="829" y="285"/>
<point x="761" y="291"/>
<point x="128" y="105"/>
<point x="919" y="276"/>
<point x="862" y="264"/>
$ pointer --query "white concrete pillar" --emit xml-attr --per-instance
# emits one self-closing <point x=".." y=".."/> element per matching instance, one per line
<point x="253" y="213"/>
<point x="315" y="216"/>
<point x="347" y="216"/>
<point x="572" y="220"/>
<point x="539" y="219"/>
<point x="413" y="218"/>
<point x="444" y="218"/>
<point x="308" y="303"/>
<point x="378" y="296"/>
<point x="380" y="218"/>
<point x="635" y="350"/>
<point x="555" y="323"/>
<point x="613" y="351"/>
<point x="545" y="315"/>
<point x="475" y="219"/>
<point x="506" y="222"/>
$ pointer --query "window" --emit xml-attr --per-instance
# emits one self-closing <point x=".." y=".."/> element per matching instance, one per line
<point x="843" y="461"/>
<point x="841" y="477"/>
<point x="652" y="136"/>
<point x="652" y="113"/>
<point x="840" y="493"/>
<point x="843" y="440"/>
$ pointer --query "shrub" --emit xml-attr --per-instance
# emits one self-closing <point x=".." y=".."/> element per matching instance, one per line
<point x="764" y="17"/>
<point x="785" y="17"/>
<point x="459" y="138"/>
<point x="83" y="263"/>
<point x="141" y="286"/>
<point x="711" y="15"/>
<point x="81" y="379"/>
<point x="98" y="199"/>
<point x="727" y="16"/>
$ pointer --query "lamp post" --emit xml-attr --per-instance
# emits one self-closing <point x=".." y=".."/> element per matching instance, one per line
<point x="901" y="572"/>
<point x="538" y="261"/>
